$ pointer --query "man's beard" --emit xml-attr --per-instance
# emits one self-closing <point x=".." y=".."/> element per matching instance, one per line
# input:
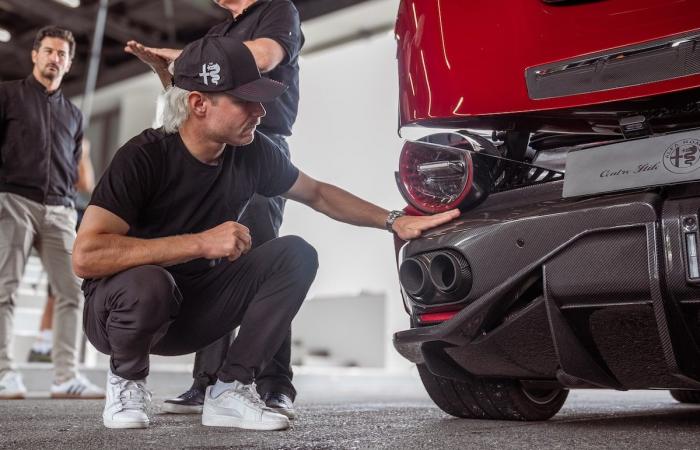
<point x="51" y="75"/>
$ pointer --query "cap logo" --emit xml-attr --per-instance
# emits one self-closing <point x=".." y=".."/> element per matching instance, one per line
<point x="210" y="70"/>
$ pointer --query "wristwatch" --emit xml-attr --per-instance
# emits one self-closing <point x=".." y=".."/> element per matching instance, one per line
<point x="391" y="218"/>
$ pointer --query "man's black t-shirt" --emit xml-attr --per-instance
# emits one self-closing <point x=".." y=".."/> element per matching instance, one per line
<point x="277" y="20"/>
<point x="160" y="189"/>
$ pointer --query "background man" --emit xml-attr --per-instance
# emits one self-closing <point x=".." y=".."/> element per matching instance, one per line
<point x="271" y="30"/>
<point x="40" y="138"/>
<point x="166" y="207"/>
<point x="41" y="348"/>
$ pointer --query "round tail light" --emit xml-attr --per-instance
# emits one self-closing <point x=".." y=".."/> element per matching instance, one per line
<point x="436" y="178"/>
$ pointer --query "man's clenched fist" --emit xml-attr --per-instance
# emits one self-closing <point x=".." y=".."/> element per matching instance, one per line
<point x="229" y="240"/>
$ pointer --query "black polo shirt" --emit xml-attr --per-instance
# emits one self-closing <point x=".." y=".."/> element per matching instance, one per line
<point x="277" y="20"/>
<point x="160" y="189"/>
<point x="40" y="142"/>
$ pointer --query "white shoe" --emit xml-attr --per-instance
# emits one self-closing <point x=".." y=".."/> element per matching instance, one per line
<point x="11" y="387"/>
<point x="241" y="407"/>
<point x="77" y="387"/>
<point x="126" y="403"/>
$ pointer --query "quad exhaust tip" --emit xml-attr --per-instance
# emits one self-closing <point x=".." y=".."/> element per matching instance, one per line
<point x="413" y="275"/>
<point x="446" y="271"/>
<point x="450" y="273"/>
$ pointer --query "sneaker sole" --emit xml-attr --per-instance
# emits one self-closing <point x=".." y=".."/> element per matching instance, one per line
<point x="174" y="408"/>
<point x="13" y="397"/>
<point x="289" y="413"/>
<point x="124" y="425"/>
<point x="215" y="420"/>
<point x="77" y="397"/>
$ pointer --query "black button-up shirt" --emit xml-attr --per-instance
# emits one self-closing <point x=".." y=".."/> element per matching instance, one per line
<point x="40" y="142"/>
<point x="277" y="20"/>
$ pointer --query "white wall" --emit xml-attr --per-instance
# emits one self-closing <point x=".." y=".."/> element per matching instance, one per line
<point x="349" y="329"/>
<point x="136" y="100"/>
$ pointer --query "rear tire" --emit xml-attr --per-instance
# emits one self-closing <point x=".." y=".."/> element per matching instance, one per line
<point x="492" y="399"/>
<point x="685" y="396"/>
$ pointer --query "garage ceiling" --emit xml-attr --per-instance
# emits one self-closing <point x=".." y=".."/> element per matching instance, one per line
<point x="159" y="23"/>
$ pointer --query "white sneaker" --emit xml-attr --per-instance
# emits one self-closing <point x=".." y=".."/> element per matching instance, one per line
<point x="77" y="387"/>
<point x="241" y="407"/>
<point x="11" y="387"/>
<point x="126" y="403"/>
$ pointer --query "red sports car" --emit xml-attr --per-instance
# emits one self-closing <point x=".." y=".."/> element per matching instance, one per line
<point x="568" y="133"/>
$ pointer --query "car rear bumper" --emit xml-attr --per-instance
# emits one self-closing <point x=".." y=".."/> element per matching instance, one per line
<point x="593" y="292"/>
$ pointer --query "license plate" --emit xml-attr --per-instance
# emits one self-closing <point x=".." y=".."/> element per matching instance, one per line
<point x="665" y="159"/>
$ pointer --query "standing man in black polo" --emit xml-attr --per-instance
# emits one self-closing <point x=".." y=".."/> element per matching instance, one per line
<point x="271" y="30"/>
<point x="41" y="134"/>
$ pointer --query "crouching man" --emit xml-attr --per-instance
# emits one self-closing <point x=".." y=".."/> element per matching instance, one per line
<point x="168" y="269"/>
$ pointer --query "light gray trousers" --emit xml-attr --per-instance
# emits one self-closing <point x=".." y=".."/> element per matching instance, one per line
<point x="51" y="230"/>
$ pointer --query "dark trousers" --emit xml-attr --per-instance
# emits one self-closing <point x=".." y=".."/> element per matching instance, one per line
<point x="263" y="217"/>
<point x="147" y="309"/>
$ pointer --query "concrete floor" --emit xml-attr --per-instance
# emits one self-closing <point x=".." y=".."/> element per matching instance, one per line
<point x="358" y="409"/>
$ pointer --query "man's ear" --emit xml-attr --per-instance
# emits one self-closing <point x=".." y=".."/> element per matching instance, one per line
<point x="198" y="103"/>
<point x="34" y="56"/>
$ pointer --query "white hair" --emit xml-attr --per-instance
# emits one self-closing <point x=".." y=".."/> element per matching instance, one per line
<point x="175" y="109"/>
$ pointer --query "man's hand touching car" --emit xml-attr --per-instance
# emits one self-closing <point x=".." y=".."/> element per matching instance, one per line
<point x="411" y="227"/>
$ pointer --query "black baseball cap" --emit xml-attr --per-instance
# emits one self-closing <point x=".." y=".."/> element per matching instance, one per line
<point x="224" y="64"/>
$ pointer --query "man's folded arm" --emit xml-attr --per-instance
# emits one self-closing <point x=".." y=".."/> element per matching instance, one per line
<point x="102" y="247"/>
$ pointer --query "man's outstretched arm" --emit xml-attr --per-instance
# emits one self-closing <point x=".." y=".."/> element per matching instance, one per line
<point x="267" y="53"/>
<point x="102" y="247"/>
<point x="157" y="61"/>
<point x="346" y="207"/>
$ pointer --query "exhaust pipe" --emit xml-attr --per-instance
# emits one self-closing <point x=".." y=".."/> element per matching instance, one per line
<point x="451" y="274"/>
<point x="414" y="277"/>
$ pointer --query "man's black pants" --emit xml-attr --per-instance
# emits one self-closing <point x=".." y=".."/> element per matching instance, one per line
<point x="148" y="309"/>
<point x="263" y="217"/>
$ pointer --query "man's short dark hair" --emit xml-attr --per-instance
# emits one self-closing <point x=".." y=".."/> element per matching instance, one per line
<point x="55" y="32"/>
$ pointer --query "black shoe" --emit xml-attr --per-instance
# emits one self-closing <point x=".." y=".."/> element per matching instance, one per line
<point x="279" y="403"/>
<point x="191" y="402"/>
<point x="37" y="356"/>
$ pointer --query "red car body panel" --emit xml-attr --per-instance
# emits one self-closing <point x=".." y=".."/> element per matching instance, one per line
<point x="456" y="69"/>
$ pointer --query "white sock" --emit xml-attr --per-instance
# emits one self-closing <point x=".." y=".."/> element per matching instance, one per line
<point x="219" y="387"/>
<point x="44" y="342"/>
<point x="46" y="336"/>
